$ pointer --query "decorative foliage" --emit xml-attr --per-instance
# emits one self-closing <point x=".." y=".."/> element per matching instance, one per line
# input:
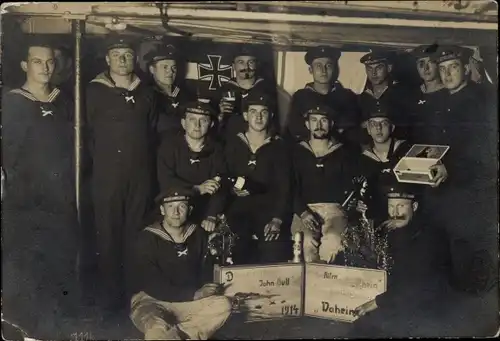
<point x="361" y="240"/>
<point x="222" y="241"/>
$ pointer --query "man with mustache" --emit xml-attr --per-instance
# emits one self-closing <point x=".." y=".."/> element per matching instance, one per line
<point x="171" y="280"/>
<point x="121" y="124"/>
<point x="231" y="95"/>
<point x="324" y="168"/>
<point x="195" y="162"/>
<point x="259" y="211"/>
<point x="39" y="221"/>
<point x="381" y="89"/>
<point x="325" y="90"/>
<point x="418" y="269"/>
<point x="163" y="63"/>
<point x="468" y="127"/>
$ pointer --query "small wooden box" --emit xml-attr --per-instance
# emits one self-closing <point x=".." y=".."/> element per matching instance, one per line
<point x="264" y="292"/>
<point x="414" y="166"/>
<point x="334" y="292"/>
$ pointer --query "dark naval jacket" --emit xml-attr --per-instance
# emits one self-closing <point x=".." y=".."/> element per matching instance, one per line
<point x="339" y="98"/>
<point x="121" y="125"/>
<point x="180" y="167"/>
<point x="270" y="168"/>
<point x="169" y="271"/>
<point x="170" y="110"/>
<point x="324" y="179"/>
<point x="38" y="151"/>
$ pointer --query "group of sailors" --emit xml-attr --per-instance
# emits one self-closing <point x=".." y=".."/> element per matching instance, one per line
<point x="227" y="157"/>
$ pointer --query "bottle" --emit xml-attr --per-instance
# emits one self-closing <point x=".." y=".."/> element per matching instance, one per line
<point x="242" y="183"/>
<point x="297" y="247"/>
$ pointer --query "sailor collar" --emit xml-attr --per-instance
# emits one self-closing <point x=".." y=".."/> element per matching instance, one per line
<point x="105" y="79"/>
<point x="319" y="159"/>
<point x="310" y="86"/>
<point x="369" y="89"/>
<point x="257" y="81"/>
<point x="23" y="92"/>
<point x="182" y="249"/>
<point x="395" y="144"/>
<point x="175" y="92"/>
<point x="268" y="140"/>
<point x="423" y="89"/>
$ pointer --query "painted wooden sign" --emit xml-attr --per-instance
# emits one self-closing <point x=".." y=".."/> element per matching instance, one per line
<point x="263" y="292"/>
<point x="334" y="292"/>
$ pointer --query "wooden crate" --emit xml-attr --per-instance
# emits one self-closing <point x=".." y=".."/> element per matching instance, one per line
<point x="334" y="292"/>
<point x="264" y="292"/>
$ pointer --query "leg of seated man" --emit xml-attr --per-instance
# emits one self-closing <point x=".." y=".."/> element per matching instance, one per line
<point x="196" y="320"/>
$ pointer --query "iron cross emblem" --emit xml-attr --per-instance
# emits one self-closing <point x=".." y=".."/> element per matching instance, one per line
<point x="182" y="253"/>
<point x="214" y="72"/>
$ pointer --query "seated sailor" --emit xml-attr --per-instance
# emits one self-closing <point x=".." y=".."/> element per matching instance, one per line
<point x="418" y="262"/>
<point x="173" y="297"/>
<point x="323" y="166"/>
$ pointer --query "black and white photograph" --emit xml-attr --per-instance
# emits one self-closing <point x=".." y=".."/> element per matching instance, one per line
<point x="220" y="170"/>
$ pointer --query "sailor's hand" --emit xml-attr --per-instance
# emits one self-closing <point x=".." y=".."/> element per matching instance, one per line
<point x="240" y="193"/>
<point x="226" y="107"/>
<point x="209" y="289"/>
<point x="439" y="174"/>
<point x="208" y="187"/>
<point x="310" y="221"/>
<point x="393" y="224"/>
<point x="361" y="207"/>
<point x="366" y="308"/>
<point x="209" y="224"/>
<point x="272" y="230"/>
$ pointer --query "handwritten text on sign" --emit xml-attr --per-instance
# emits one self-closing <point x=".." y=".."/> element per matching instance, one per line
<point x="334" y="292"/>
<point x="263" y="292"/>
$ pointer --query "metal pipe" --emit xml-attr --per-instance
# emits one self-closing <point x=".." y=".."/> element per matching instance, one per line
<point x="78" y="114"/>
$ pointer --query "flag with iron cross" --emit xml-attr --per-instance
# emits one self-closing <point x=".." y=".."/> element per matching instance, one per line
<point x="209" y="64"/>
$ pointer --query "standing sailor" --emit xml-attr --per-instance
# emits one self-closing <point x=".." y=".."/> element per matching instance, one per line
<point x="468" y="126"/>
<point x="382" y="90"/>
<point x="233" y="92"/>
<point x="122" y="121"/>
<point x="324" y="90"/>
<point x="163" y="64"/>
<point x="39" y="221"/>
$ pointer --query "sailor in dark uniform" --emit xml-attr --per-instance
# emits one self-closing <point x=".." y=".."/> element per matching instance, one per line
<point x="259" y="211"/>
<point x="431" y="96"/>
<point x="163" y="64"/>
<point x="174" y="297"/>
<point x="468" y="126"/>
<point x="381" y="89"/>
<point x="39" y="221"/>
<point x="324" y="90"/>
<point x="417" y="280"/>
<point x="324" y="168"/>
<point x="231" y="95"/>
<point x="195" y="162"/>
<point x="121" y="119"/>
